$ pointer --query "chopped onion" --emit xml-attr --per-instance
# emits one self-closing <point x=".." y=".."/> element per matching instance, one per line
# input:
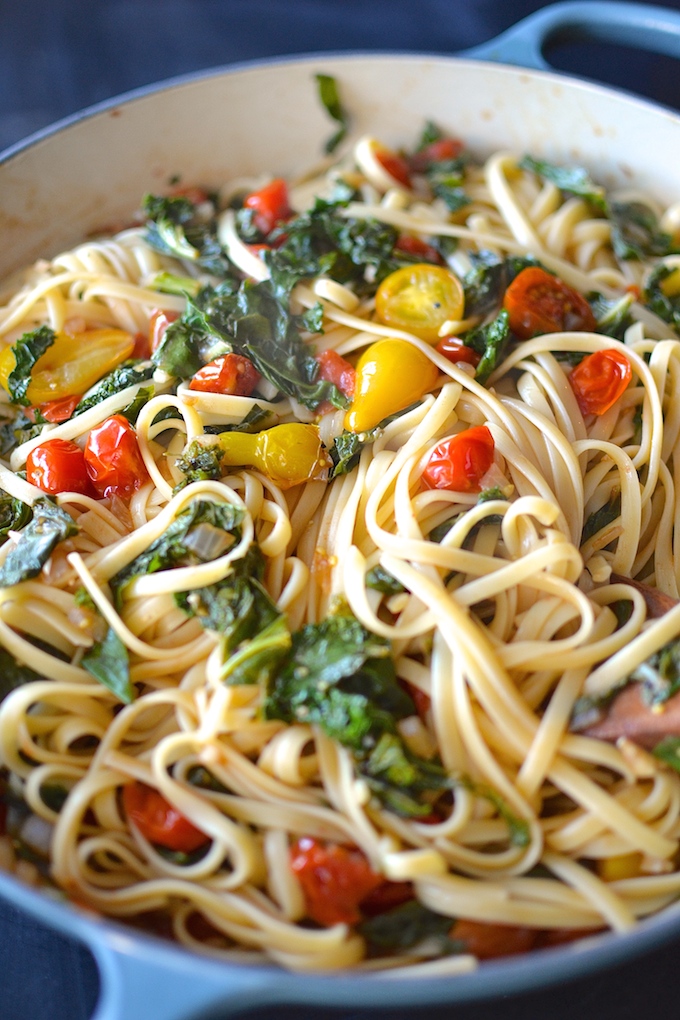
<point x="208" y="542"/>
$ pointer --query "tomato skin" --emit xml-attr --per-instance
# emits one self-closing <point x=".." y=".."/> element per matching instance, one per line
<point x="391" y="374"/>
<point x="158" y="821"/>
<point x="600" y="379"/>
<point x="269" y="204"/>
<point x="395" y="165"/>
<point x="158" y="323"/>
<point x="487" y="941"/>
<point x="337" y="370"/>
<point x="418" y="248"/>
<point x="455" y="351"/>
<point x="420" y="299"/>
<point x="435" y="152"/>
<point x="538" y="302"/>
<point x="459" y="463"/>
<point x="386" y="897"/>
<point x="56" y="411"/>
<point x="113" y="459"/>
<point x="334" y="880"/>
<point x="58" y="465"/>
<point x="232" y="373"/>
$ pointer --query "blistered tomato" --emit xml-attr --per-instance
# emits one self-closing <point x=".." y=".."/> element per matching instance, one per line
<point x="600" y="379"/>
<point x="114" y="463"/>
<point x="269" y="204"/>
<point x="334" y="880"/>
<point x="160" y="822"/>
<point x="336" y="369"/>
<point x="538" y="302"/>
<point x="58" y="465"/>
<point x="230" y="374"/>
<point x="420" y="299"/>
<point x="459" y="463"/>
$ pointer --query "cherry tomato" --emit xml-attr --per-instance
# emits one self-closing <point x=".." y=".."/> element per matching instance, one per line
<point x="270" y="205"/>
<point x="421" y="700"/>
<point x="334" y="880"/>
<point x="538" y="302"/>
<point x="232" y="373"/>
<point x="391" y="374"/>
<point x="420" y="299"/>
<point x="386" y="897"/>
<point x="418" y="248"/>
<point x="158" y="323"/>
<point x="454" y="350"/>
<point x="113" y="460"/>
<point x="289" y="454"/>
<point x="599" y="380"/>
<point x="487" y="941"/>
<point x="58" y="465"/>
<point x="459" y="463"/>
<point x="56" y="411"/>
<point x="395" y="165"/>
<point x="192" y="192"/>
<point x="435" y="152"/>
<point x="158" y="821"/>
<point x="336" y="369"/>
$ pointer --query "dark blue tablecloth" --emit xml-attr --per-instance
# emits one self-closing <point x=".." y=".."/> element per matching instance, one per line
<point x="59" y="56"/>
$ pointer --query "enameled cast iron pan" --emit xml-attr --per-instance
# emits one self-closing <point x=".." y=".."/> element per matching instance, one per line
<point x="91" y="170"/>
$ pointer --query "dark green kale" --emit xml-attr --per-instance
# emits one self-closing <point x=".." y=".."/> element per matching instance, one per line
<point x="603" y="517"/>
<point x="668" y="751"/>
<point x="126" y="374"/>
<point x="174" y="227"/>
<point x="446" y="179"/>
<point x="346" y="449"/>
<point x="14" y="515"/>
<point x="666" y="306"/>
<point x="108" y="662"/>
<point x="330" y="97"/>
<point x="660" y="674"/>
<point x="488" y="279"/>
<point x="174" y="547"/>
<point x="19" y="430"/>
<point x="141" y="397"/>
<point x="439" y="533"/>
<point x="49" y="526"/>
<point x="255" y="421"/>
<point x="13" y="674"/>
<point x="635" y="232"/>
<point x="381" y="580"/>
<point x="198" y="462"/>
<point x="402" y="781"/>
<point x="613" y="316"/>
<point x="491" y="342"/>
<point x="574" y="180"/>
<point x="406" y="927"/>
<point x="27" y="350"/>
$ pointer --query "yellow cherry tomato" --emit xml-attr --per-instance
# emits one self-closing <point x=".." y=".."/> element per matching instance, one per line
<point x="420" y="299"/>
<point x="288" y="454"/>
<point x="72" y="364"/>
<point x="391" y="374"/>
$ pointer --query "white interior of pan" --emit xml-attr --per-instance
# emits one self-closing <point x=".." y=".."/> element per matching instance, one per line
<point x="268" y="119"/>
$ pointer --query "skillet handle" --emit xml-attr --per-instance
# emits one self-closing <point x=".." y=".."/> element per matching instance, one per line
<point x="640" y="26"/>
<point x="143" y="979"/>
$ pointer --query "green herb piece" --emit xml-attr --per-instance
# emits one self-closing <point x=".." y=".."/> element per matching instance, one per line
<point x="108" y="662"/>
<point x="380" y="579"/>
<point x="199" y="776"/>
<point x="14" y="515"/>
<point x="174" y="227"/>
<point x="574" y="180"/>
<point x="171" y="548"/>
<point x="635" y="232"/>
<point x="660" y="674"/>
<point x="431" y="133"/>
<point x="13" y="674"/>
<point x="407" y="926"/>
<point x="603" y="517"/>
<point x="439" y="533"/>
<point x="53" y="795"/>
<point x="401" y="780"/>
<point x="446" y="179"/>
<point x="27" y="350"/>
<point x="346" y="449"/>
<point x="49" y="526"/>
<point x="142" y="397"/>
<point x="491" y="342"/>
<point x="488" y="279"/>
<point x="666" y="306"/>
<point x="126" y="374"/>
<point x="668" y="751"/>
<point x="199" y="461"/>
<point x="330" y="97"/>
<point x="171" y="283"/>
<point x="613" y="316"/>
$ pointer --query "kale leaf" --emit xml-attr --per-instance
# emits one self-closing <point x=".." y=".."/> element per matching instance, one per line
<point x="381" y="580"/>
<point x="330" y="97"/>
<point x="199" y="461"/>
<point x="635" y="232"/>
<point x="491" y="342"/>
<point x="613" y="316"/>
<point x="175" y="228"/>
<point x="668" y="751"/>
<point x="666" y="306"/>
<point x="486" y="282"/>
<point x="13" y="674"/>
<point x="126" y="374"/>
<point x="573" y="180"/>
<point x="27" y="350"/>
<point x="603" y="517"/>
<point x="108" y="662"/>
<point x="407" y="926"/>
<point x="14" y="514"/>
<point x="49" y="526"/>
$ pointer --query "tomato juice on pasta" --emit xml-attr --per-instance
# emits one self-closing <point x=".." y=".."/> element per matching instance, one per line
<point x="340" y="577"/>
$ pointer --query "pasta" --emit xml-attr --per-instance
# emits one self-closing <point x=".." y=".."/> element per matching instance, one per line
<point x="297" y="653"/>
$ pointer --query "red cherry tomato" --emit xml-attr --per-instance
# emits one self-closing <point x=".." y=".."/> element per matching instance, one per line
<point x="336" y="369"/>
<point x="270" y="205"/>
<point x="599" y="380"/>
<point x="113" y="460"/>
<point x="386" y="897"/>
<point x="435" y="152"/>
<point x="55" y="411"/>
<point x="158" y="323"/>
<point x="334" y="880"/>
<point x="232" y="373"/>
<point x="142" y="348"/>
<point x="395" y="165"/>
<point x="158" y="821"/>
<point x="459" y="463"/>
<point x="420" y="249"/>
<point x="58" y="465"/>
<point x="487" y="941"/>
<point x="194" y="194"/>
<point x="538" y="302"/>
<point x="454" y="350"/>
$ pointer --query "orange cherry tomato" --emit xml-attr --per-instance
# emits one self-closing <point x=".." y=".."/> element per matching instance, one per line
<point x="454" y="350"/>
<point x="420" y="249"/>
<point x="435" y="152"/>
<point x="113" y="459"/>
<point x="599" y="380"/>
<point x="538" y="302"/>
<point x="459" y="463"/>
<point x="231" y="373"/>
<point x="158" y="821"/>
<point x="269" y="204"/>
<point x="58" y="465"/>
<point x="395" y="165"/>
<point x="56" y="411"/>
<point x="336" y="369"/>
<point x="334" y="880"/>
<point x="158" y="323"/>
<point x="487" y="941"/>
